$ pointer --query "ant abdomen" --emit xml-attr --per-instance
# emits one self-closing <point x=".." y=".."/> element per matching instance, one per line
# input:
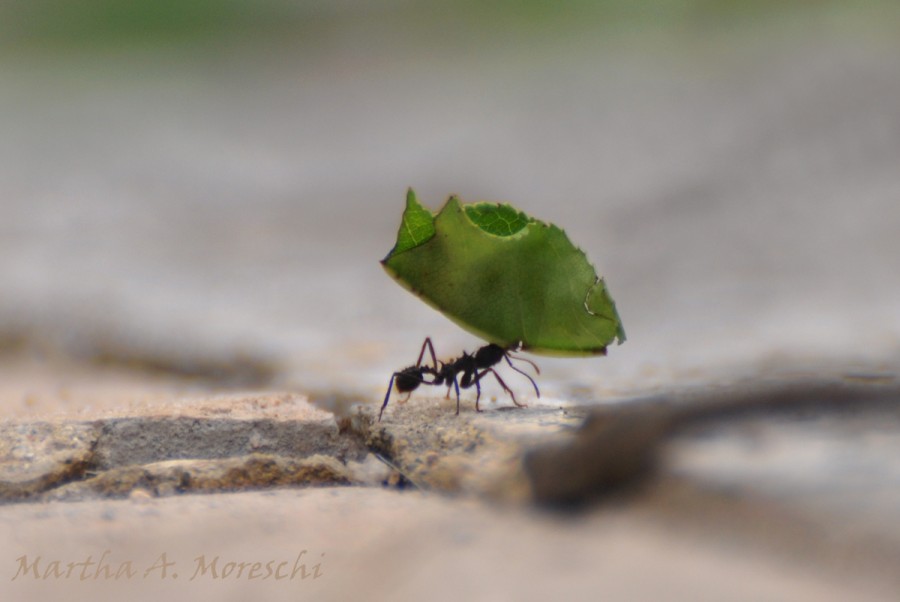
<point x="408" y="379"/>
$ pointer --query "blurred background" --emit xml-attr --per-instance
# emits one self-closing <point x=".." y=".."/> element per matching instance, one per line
<point x="207" y="187"/>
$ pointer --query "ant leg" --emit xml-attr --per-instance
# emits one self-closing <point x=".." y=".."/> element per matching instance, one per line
<point x="450" y="385"/>
<point x="523" y="373"/>
<point x="430" y="347"/>
<point x="477" y="395"/>
<point x="405" y="373"/>
<point x="512" y="396"/>
<point x="387" y="395"/>
<point x="455" y="386"/>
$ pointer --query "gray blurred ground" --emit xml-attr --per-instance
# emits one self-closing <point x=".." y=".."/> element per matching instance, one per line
<point x="217" y="204"/>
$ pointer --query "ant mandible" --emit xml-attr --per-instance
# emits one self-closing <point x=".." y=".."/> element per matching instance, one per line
<point x="473" y="368"/>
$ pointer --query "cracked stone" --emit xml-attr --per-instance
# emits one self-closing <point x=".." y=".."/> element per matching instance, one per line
<point x="40" y="455"/>
<point x="256" y="471"/>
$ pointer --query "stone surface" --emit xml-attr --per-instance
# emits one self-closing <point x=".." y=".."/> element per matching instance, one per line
<point x="172" y="443"/>
<point x="828" y="479"/>
<point x="478" y="454"/>
<point x="612" y="449"/>
<point x="208" y="433"/>
<point x="377" y="544"/>
<point x="702" y="489"/>
<point x="37" y="456"/>
<point x="257" y="471"/>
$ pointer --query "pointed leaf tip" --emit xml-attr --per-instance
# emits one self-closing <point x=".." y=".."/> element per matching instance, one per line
<point x="416" y="226"/>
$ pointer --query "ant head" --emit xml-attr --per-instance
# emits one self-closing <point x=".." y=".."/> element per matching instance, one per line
<point x="489" y="355"/>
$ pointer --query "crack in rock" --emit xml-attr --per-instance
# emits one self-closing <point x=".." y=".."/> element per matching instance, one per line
<point x="173" y="454"/>
<point x="172" y="477"/>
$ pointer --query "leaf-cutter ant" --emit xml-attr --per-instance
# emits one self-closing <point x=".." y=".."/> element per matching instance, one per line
<point x="471" y="368"/>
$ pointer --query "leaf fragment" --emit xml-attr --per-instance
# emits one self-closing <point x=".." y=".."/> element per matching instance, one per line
<point x="504" y="276"/>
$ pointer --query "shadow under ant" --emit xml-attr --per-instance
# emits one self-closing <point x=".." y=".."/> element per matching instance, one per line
<point x="472" y="367"/>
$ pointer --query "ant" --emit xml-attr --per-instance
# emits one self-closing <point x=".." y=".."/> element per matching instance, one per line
<point x="472" y="367"/>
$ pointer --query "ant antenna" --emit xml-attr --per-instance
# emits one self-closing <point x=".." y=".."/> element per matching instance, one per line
<point x="509" y="357"/>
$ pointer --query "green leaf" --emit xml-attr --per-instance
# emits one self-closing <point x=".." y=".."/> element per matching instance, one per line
<point x="505" y="277"/>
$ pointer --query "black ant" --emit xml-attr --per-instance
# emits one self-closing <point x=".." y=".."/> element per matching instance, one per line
<point x="473" y="367"/>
